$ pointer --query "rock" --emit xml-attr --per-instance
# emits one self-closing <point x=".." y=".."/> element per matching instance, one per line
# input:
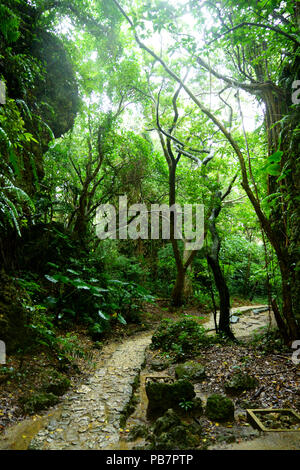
<point x="164" y="423"/>
<point x="219" y="408"/>
<point x="137" y="431"/>
<point x="159" y="364"/>
<point x="257" y="311"/>
<point x="191" y="371"/>
<point x="163" y="396"/>
<point x="176" y="438"/>
<point x="197" y="409"/>
<point x="170" y="433"/>
<point x="239" y="382"/>
<point x="234" y="319"/>
<point x="227" y="438"/>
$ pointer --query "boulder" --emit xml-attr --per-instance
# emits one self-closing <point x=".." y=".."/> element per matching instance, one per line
<point x="163" y="396"/>
<point x="219" y="408"/>
<point x="170" y="433"/>
<point x="239" y="382"/>
<point x="140" y="430"/>
<point x="169" y="420"/>
<point x="191" y="371"/>
<point x="159" y="364"/>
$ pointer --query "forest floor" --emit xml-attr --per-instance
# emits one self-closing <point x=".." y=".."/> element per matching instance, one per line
<point x="278" y="387"/>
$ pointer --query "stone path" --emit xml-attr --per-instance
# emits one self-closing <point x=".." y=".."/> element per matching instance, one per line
<point x="252" y="320"/>
<point x="89" y="417"/>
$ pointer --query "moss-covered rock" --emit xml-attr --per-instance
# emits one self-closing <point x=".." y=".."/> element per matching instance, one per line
<point x="219" y="408"/>
<point x="197" y="409"/>
<point x="163" y="396"/>
<point x="39" y="75"/>
<point x="57" y="383"/>
<point x="159" y="364"/>
<point x="176" y="438"/>
<point x="170" y="433"/>
<point x="38" y="402"/>
<point x="191" y="371"/>
<point x="140" y="430"/>
<point x="239" y="382"/>
<point x="169" y="420"/>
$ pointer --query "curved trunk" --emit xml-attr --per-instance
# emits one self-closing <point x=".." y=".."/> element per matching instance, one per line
<point x="224" y="322"/>
<point x="213" y="261"/>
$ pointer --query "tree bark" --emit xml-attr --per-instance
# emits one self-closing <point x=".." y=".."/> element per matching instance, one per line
<point x="213" y="261"/>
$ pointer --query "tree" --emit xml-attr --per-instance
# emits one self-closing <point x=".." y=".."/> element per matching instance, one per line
<point x="288" y="322"/>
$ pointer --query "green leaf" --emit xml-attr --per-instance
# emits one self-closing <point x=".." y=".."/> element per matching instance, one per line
<point x="103" y="315"/>
<point x="275" y="157"/>
<point x="51" y="279"/>
<point x="121" y="319"/>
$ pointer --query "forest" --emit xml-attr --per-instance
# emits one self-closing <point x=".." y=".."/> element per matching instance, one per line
<point x="149" y="225"/>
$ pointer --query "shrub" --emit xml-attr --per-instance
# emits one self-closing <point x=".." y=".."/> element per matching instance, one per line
<point x="38" y="402"/>
<point x="183" y="338"/>
<point x="268" y="341"/>
<point x="57" y="383"/>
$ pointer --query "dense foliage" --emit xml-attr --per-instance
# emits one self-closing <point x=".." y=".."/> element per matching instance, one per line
<point x="188" y="104"/>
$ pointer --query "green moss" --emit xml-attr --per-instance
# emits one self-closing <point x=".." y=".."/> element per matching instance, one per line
<point x="169" y="420"/>
<point x="163" y="396"/>
<point x="191" y="371"/>
<point x="239" y="382"/>
<point x="131" y="405"/>
<point x="219" y="408"/>
<point x="38" y="402"/>
<point x="137" y="431"/>
<point x="159" y="364"/>
<point x="170" y="433"/>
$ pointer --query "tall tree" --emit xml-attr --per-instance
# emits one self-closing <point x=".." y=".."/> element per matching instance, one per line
<point x="276" y="225"/>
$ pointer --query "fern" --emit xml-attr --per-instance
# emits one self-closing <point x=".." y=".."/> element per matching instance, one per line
<point x="12" y="199"/>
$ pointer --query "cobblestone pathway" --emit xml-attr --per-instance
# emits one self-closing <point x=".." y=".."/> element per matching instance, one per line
<point x="89" y="417"/>
<point x="253" y="319"/>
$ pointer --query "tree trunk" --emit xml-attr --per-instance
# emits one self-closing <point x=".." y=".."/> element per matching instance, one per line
<point x="224" y="322"/>
<point x="213" y="261"/>
<point x="178" y="290"/>
<point x="188" y="286"/>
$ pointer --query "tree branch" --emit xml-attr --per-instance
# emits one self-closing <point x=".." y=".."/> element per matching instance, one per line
<point x="257" y="25"/>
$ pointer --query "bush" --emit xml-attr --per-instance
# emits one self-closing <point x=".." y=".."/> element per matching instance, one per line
<point x="57" y="384"/>
<point x="183" y="338"/>
<point x="269" y="341"/>
<point x="38" y="402"/>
